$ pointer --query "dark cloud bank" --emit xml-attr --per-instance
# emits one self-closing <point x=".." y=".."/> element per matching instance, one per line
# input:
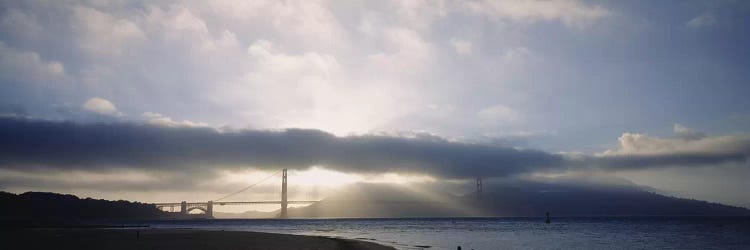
<point x="30" y="143"/>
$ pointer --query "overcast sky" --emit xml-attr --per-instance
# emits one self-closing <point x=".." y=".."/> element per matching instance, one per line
<point x="105" y="98"/>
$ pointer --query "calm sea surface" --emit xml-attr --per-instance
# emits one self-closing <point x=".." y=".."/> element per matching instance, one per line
<point x="510" y="233"/>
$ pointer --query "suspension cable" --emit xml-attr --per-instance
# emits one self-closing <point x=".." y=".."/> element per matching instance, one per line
<point x="248" y="187"/>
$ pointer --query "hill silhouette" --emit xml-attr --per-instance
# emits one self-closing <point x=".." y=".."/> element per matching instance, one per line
<point x="53" y="206"/>
<point x="519" y="198"/>
<point x="589" y="199"/>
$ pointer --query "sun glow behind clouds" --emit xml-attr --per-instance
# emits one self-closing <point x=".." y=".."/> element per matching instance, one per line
<point x="321" y="177"/>
<point x="314" y="183"/>
<point x="317" y="176"/>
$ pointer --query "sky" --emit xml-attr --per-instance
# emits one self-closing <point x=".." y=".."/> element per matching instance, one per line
<point x="173" y="100"/>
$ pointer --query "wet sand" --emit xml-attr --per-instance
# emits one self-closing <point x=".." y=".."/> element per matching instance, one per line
<point x="114" y="239"/>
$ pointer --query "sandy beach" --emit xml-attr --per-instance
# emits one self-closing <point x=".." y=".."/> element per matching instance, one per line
<point x="112" y="239"/>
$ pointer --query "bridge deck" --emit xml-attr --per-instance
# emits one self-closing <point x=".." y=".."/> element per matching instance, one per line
<point x="224" y="203"/>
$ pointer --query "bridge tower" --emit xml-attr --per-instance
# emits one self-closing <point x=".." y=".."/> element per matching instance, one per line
<point x="479" y="187"/>
<point x="210" y="209"/>
<point x="284" y="202"/>
<point x="183" y="207"/>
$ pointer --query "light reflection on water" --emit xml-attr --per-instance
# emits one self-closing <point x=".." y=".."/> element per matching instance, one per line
<point x="510" y="233"/>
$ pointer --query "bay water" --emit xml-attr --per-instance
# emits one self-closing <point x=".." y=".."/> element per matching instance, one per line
<point x="508" y="233"/>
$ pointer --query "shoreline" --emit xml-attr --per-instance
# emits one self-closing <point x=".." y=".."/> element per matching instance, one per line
<point x="183" y="239"/>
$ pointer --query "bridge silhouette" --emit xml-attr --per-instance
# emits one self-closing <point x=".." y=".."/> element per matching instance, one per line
<point x="208" y="207"/>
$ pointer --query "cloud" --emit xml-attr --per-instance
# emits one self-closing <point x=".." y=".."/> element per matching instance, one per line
<point x="405" y="48"/>
<point x="687" y="133"/>
<point x="570" y="12"/>
<point x="161" y="120"/>
<point x="29" y="144"/>
<point x="702" y="21"/>
<point x="690" y="148"/>
<point x="640" y="144"/>
<point x="100" y="106"/>
<point x="104" y="34"/>
<point x="28" y="67"/>
<point x="462" y="47"/>
<point x="637" y="162"/>
<point x="308" y="21"/>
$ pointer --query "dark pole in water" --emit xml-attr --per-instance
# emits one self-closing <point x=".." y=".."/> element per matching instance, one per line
<point x="547" y="221"/>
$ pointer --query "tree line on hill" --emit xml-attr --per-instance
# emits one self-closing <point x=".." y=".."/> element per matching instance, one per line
<point x="42" y="205"/>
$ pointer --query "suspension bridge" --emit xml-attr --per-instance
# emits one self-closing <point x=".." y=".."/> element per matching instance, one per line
<point x="207" y="208"/>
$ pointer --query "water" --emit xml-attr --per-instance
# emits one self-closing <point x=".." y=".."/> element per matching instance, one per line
<point x="510" y="233"/>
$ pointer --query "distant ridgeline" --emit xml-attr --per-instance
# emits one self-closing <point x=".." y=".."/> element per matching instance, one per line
<point x="515" y="199"/>
<point x="52" y="206"/>
<point x="571" y="200"/>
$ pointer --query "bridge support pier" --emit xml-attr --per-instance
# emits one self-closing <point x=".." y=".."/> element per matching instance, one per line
<point x="284" y="201"/>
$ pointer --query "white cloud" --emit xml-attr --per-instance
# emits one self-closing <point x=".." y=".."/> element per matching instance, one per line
<point x="27" y="67"/>
<point x="161" y="120"/>
<point x="100" y="106"/>
<point x="687" y="133"/>
<point x="406" y="53"/>
<point x="641" y="144"/>
<point x="462" y="47"/>
<point x="104" y="34"/>
<point x="420" y="14"/>
<point x="308" y="21"/>
<point x="572" y="13"/>
<point x="702" y="21"/>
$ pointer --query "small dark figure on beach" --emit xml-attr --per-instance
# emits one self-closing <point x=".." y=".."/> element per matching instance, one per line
<point x="547" y="221"/>
<point x="458" y="248"/>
